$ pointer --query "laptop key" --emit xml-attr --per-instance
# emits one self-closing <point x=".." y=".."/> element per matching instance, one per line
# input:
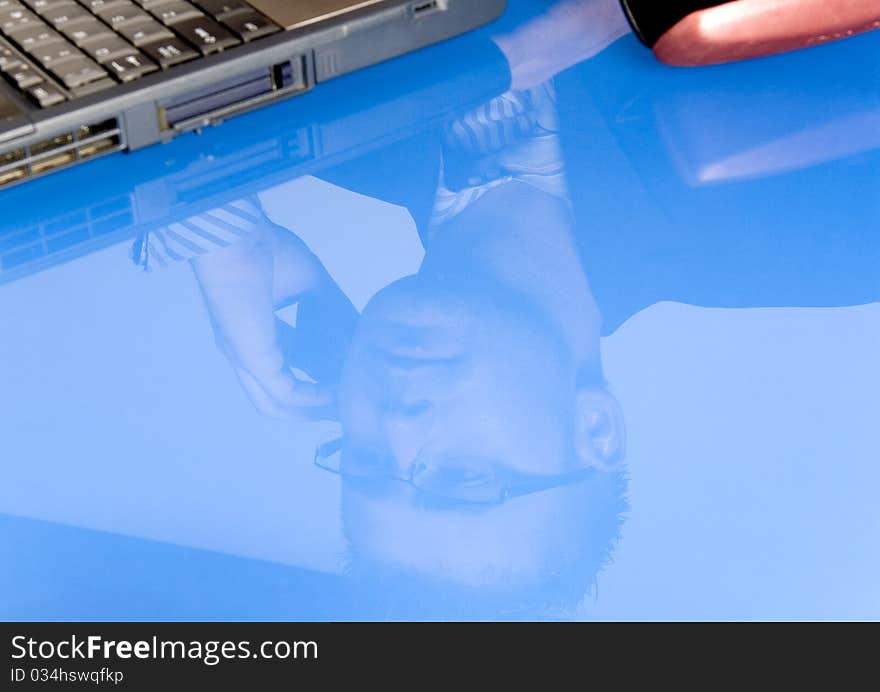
<point x="147" y="31"/>
<point x="9" y="63"/>
<point x="251" y="25"/>
<point x="12" y="10"/>
<point x="206" y="35"/>
<point x="78" y="71"/>
<point x="150" y="4"/>
<point x="169" y="52"/>
<point x="120" y="15"/>
<point x="36" y="36"/>
<point x="173" y="11"/>
<point x="65" y="16"/>
<point x="8" y="57"/>
<point x="106" y="48"/>
<point x="130" y="67"/>
<point x="221" y="9"/>
<point x="51" y="53"/>
<point x="23" y="75"/>
<point x="45" y="95"/>
<point x="68" y="14"/>
<point x="17" y="19"/>
<point x="39" y="6"/>
<point x="97" y="6"/>
<point x="84" y="32"/>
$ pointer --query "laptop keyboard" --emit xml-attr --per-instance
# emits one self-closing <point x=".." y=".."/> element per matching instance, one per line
<point x="55" y="50"/>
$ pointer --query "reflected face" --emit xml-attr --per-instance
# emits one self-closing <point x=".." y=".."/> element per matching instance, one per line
<point x="450" y="373"/>
<point x="445" y="374"/>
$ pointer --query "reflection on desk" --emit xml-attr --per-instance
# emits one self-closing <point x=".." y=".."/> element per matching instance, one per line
<point x="456" y="348"/>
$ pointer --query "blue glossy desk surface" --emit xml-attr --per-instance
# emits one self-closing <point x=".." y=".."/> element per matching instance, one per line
<point x="653" y="290"/>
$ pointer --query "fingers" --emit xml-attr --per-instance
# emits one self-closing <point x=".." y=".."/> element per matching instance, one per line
<point x="241" y="286"/>
<point x="284" y="396"/>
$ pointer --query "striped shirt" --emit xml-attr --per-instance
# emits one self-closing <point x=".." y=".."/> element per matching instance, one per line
<point x="198" y="234"/>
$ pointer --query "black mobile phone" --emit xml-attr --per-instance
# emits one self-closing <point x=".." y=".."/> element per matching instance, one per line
<point x="705" y="32"/>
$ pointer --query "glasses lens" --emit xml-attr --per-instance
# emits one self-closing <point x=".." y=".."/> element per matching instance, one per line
<point x="336" y="458"/>
<point x="461" y="482"/>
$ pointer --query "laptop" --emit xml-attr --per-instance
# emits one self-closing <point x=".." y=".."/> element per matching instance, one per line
<point x="87" y="78"/>
<point x="62" y="218"/>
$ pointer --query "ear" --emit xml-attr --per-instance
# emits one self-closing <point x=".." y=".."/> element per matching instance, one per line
<point x="600" y="431"/>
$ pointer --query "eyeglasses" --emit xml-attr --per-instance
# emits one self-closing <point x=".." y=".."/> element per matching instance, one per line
<point x="467" y="481"/>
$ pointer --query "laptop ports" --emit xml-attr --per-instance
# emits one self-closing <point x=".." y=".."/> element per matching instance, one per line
<point x="86" y="131"/>
<point x="98" y="147"/>
<point x="422" y="9"/>
<point x="216" y="103"/>
<point x="49" y="154"/>
<point x="9" y="157"/>
<point x="50" y="163"/>
<point x="12" y="166"/>
<point x="60" y="151"/>
<point x="13" y="175"/>
<point x="47" y="145"/>
<point x="98" y="138"/>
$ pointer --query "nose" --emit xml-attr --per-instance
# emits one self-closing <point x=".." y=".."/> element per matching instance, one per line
<point x="407" y="428"/>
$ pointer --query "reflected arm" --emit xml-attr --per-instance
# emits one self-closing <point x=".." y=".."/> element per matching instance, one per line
<point x="570" y="32"/>
<point x="242" y="286"/>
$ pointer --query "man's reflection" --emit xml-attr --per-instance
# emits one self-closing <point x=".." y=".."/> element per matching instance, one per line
<point x="481" y="449"/>
<point x="479" y="376"/>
